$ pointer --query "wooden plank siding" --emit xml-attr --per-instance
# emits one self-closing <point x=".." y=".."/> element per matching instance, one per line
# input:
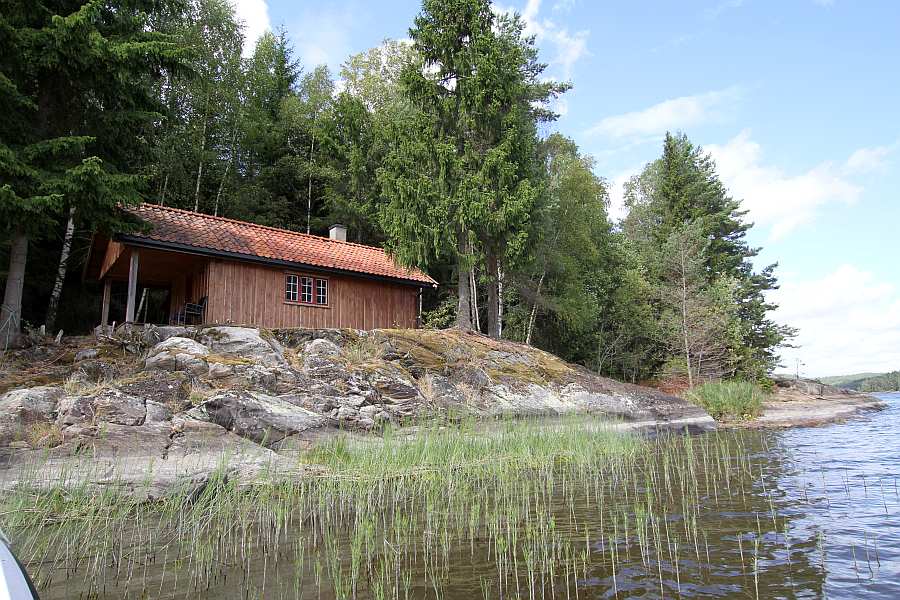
<point x="248" y="294"/>
<point x="189" y="287"/>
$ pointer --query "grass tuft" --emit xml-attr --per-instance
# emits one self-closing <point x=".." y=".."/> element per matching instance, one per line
<point x="729" y="400"/>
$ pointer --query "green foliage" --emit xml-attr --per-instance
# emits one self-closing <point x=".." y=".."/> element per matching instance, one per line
<point x="849" y="382"/>
<point x="441" y="316"/>
<point x="729" y="400"/>
<point x="432" y="150"/>
<point x="679" y="192"/>
<point x="79" y="90"/>
<point x="462" y="169"/>
<point x="888" y="382"/>
<point x="77" y="85"/>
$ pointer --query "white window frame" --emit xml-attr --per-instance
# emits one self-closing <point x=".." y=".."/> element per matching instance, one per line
<point x="291" y="287"/>
<point x="321" y="292"/>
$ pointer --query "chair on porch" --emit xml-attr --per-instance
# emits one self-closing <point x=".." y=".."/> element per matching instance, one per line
<point x="191" y="312"/>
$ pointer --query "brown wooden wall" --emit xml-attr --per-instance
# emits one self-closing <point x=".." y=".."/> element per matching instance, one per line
<point x="248" y="294"/>
<point x="190" y="286"/>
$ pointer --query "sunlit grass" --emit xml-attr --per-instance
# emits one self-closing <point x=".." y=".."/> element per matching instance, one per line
<point x="729" y="400"/>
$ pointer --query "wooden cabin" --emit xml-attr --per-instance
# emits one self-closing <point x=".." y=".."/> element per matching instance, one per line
<point x="222" y="271"/>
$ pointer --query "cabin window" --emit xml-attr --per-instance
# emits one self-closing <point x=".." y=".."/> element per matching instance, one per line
<point x="290" y="287"/>
<point x="302" y="289"/>
<point x="306" y="290"/>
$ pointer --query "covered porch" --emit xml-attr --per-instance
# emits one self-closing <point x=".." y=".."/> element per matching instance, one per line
<point x="177" y="283"/>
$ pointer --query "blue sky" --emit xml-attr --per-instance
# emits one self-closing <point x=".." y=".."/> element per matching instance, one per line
<point x="797" y="100"/>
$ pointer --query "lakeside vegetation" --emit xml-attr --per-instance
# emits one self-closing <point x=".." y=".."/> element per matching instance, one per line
<point x="432" y="148"/>
<point x="522" y="509"/>
<point x="729" y="400"/>
<point x="866" y="382"/>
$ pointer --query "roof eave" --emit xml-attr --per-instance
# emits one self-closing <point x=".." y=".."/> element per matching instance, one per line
<point x="145" y="242"/>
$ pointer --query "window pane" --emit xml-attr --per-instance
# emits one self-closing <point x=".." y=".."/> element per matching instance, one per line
<point x="290" y="288"/>
<point x="306" y="290"/>
<point x="321" y="291"/>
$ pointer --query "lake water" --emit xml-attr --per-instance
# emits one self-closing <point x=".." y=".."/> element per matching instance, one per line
<point x="795" y="513"/>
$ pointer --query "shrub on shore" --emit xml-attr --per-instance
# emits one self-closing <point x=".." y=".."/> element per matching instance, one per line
<point x="729" y="400"/>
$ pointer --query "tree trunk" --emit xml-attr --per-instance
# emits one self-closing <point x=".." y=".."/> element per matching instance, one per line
<point x="50" y="321"/>
<point x="473" y="285"/>
<point x="221" y="186"/>
<point x="202" y="150"/>
<point x="684" y="318"/>
<point x="534" y="309"/>
<point x="464" y="307"/>
<point x="312" y="145"/>
<point x="499" y="300"/>
<point x="493" y="294"/>
<point x="162" y="196"/>
<point x="225" y="174"/>
<point x="11" y="311"/>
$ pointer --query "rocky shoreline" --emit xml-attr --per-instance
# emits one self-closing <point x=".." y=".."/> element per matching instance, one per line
<point x="148" y="410"/>
<point x="809" y="403"/>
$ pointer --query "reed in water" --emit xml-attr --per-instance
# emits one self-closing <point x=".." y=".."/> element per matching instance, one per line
<point x="517" y="509"/>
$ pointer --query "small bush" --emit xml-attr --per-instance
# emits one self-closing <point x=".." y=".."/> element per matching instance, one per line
<point x="729" y="400"/>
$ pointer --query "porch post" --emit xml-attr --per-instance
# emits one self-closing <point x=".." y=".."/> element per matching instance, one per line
<point x="132" y="286"/>
<point x="104" y="311"/>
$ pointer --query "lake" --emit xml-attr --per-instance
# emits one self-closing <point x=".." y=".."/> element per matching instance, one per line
<point x="795" y="513"/>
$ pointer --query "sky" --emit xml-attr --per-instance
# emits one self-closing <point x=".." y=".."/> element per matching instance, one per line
<point x="796" y="100"/>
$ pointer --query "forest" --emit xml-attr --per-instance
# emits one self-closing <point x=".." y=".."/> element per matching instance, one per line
<point x="438" y="148"/>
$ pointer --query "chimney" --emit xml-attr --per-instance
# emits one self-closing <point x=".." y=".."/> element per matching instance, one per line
<point x="337" y="232"/>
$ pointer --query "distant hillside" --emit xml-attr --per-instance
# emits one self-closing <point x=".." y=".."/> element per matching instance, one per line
<point x="866" y="382"/>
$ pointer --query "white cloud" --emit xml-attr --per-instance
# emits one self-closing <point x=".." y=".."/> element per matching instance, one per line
<point x="254" y="14"/>
<point x="722" y="7"/>
<point x="669" y="115"/>
<point x="564" y="48"/>
<point x="617" y="209"/>
<point x="849" y="322"/>
<point x="773" y="197"/>
<point x="867" y="160"/>
<point x="323" y="35"/>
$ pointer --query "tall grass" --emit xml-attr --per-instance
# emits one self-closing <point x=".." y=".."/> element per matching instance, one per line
<point x="515" y="510"/>
<point x="729" y="400"/>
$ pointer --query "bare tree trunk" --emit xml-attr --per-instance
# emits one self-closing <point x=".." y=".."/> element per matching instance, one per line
<point x="50" y="321"/>
<point x="464" y="307"/>
<point x="473" y="285"/>
<point x="684" y="318"/>
<point x="499" y="300"/>
<point x="493" y="294"/>
<point x="11" y="311"/>
<point x="202" y="150"/>
<point x="225" y="174"/>
<point x="162" y="195"/>
<point x="312" y="145"/>
<point x="534" y="309"/>
<point x="221" y="186"/>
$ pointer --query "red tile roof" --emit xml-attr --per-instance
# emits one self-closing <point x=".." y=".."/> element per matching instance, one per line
<point x="218" y="234"/>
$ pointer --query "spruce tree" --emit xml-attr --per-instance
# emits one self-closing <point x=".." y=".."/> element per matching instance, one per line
<point x="682" y="189"/>
<point x="459" y="174"/>
<point x="76" y="84"/>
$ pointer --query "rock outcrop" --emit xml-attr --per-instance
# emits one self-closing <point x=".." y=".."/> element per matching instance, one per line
<point x="194" y="388"/>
